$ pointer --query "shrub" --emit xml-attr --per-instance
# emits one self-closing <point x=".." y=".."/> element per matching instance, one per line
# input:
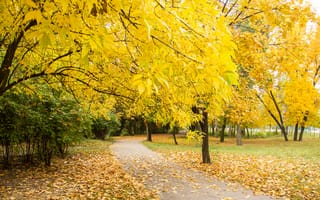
<point x="39" y="126"/>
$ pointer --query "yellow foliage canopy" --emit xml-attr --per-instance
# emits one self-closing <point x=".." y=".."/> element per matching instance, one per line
<point x="145" y="54"/>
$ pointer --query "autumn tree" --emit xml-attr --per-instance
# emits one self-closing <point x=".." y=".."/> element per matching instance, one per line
<point x="243" y="108"/>
<point x="271" y="38"/>
<point x="136" y="51"/>
<point x="186" y="63"/>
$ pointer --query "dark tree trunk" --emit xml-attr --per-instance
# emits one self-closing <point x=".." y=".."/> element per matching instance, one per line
<point x="279" y="122"/>
<point x="213" y="127"/>
<point x="239" y="135"/>
<point x="295" y="134"/>
<point x="232" y="131"/>
<point x="301" y="133"/>
<point x="284" y="133"/>
<point x="7" y="154"/>
<point x="122" y="126"/>
<point x="8" y="58"/>
<point x="193" y="126"/>
<point x="149" y="137"/>
<point x="223" y="128"/>
<point x="205" y="140"/>
<point x="175" y="130"/>
<point x="248" y="132"/>
<point x="132" y="126"/>
<point x="135" y="126"/>
<point x="305" y="118"/>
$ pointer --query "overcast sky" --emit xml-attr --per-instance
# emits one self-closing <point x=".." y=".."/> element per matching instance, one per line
<point x="316" y="4"/>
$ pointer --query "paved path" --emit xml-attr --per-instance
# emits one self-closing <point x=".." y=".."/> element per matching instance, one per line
<point x="171" y="181"/>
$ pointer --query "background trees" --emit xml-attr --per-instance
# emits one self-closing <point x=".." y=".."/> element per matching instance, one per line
<point x="272" y="44"/>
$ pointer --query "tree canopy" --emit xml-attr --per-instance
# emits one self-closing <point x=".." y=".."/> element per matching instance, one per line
<point x="140" y="52"/>
<point x="168" y="61"/>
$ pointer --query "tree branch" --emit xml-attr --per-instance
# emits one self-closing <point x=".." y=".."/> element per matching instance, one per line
<point x="256" y="13"/>
<point x="315" y="76"/>
<point x="99" y="90"/>
<point x="269" y="111"/>
<point x="175" y="50"/>
<point x="277" y="106"/>
<point x="231" y="8"/>
<point x="9" y="56"/>
<point x="224" y="6"/>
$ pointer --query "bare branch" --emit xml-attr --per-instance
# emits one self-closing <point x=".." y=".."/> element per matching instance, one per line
<point x="231" y="8"/>
<point x="224" y="6"/>
<point x="316" y="76"/>
<point x="256" y="13"/>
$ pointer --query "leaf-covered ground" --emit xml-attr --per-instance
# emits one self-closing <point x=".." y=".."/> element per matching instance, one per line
<point x="171" y="181"/>
<point x="89" y="172"/>
<point x="269" y="175"/>
<point x="270" y="166"/>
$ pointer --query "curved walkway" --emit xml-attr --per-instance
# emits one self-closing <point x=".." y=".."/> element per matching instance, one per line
<point x="171" y="181"/>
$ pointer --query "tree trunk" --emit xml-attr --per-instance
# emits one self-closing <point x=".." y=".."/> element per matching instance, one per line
<point x="284" y="133"/>
<point x="213" y="127"/>
<point x="301" y="133"/>
<point x="9" y="56"/>
<point x="205" y="140"/>
<point x="175" y="130"/>
<point x="130" y="127"/>
<point x="246" y="129"/>
<point x="279" y="122"/>
<point x="223" y="129"/>
<point x="136" y="123"/>
<point x="239" y="135"/>
<point x="149" y="137"/>
<point x="295" y="134"/>
<point x="232" y="131"/>
<point x="122" y="126"/>
<point x="305" y="118"/>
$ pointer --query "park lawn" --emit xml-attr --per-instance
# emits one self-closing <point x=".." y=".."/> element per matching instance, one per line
<point x="270" y="166"/>
<point x="88" y="172"/>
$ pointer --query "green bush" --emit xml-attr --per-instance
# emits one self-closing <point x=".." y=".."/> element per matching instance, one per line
<point x="103" y="127"/>
<point x="40" y="126"/>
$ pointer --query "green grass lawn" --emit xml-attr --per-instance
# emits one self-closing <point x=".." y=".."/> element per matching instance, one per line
<point x="274" y="146"/>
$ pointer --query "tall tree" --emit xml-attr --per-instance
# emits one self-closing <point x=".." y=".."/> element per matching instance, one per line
<point x="271" y="41"/>
<point x="142" y="53"/>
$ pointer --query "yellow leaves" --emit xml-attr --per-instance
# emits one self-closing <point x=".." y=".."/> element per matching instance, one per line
<point x="265" y="175"/>
<point x="195" y="135"/>
<point x="89" y="172"/>
<point x="272" y="53"/>
<point x="31" y="3"/>
<point x="33" y="15"/>
<point x="158" y="53"/>
<point x="148" y="29"/>
<point x="300" y="97"/>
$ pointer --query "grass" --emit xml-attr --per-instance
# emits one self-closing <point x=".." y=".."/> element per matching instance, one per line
<point x="274" y="146"/>
<point x="91" y="146"/>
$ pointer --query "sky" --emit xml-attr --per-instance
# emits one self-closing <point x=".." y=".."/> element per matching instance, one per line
<point x="316" y="4"/>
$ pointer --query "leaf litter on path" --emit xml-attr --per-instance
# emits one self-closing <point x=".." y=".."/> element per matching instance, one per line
<point x="285" y="178"/>
<point x="82" y="175"/>
<point x="172" y="181"/>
